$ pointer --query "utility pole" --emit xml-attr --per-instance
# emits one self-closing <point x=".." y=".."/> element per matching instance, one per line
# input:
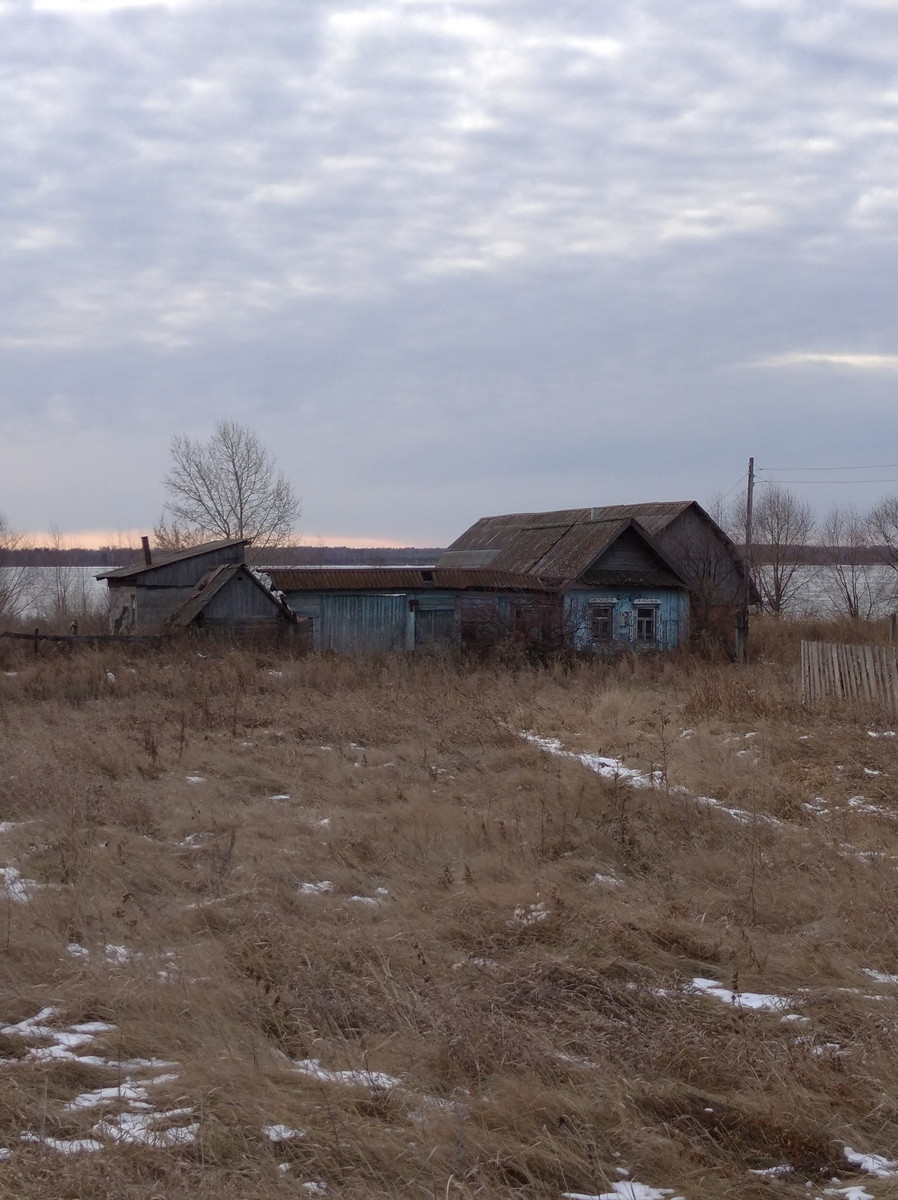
<point x="746" y="594"/>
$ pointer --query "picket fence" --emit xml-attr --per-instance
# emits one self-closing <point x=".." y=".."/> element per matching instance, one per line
<point x="864" y="674"/>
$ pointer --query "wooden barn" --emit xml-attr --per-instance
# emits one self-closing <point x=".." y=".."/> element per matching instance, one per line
<point x="373" y="609"/>
<point x="207" y="586"/>
<point x="688" y="544"/>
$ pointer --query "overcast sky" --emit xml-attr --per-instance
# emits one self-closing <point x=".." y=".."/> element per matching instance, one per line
<point x="447" y="258"/>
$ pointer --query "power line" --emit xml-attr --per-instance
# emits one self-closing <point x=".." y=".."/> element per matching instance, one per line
<point x="874" y="467"/>
<point x="733" y="488"/>
<point x="765" y="481"/>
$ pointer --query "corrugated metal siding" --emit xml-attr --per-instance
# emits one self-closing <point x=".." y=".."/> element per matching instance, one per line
<point x="293" y="580"/>
<point x="356" y="624"/>
<point x="349" y="579"/>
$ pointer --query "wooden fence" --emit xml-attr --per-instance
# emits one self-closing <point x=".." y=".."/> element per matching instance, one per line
<point x="84" y="639"/>
<point x="864" y="674"/>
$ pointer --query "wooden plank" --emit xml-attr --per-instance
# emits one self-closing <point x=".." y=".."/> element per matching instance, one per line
<point x="805" y="674"/>
<point x="882" y="687"/>
<point x="817" y="673"/>
<point x="843" y="683"/>
<point x="867" y="669"/>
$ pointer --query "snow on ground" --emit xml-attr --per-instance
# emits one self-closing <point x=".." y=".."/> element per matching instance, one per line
<point x="129" y="1114"/>
<point x="873" y="1164"/>
<point x="609" y="768"/>
<point x="375" y="1081"/>
<point x="756" y="1000"/>
<point x="282" y="1133"/>
<point x="614" y="768"/>
<point x="125" y="1113"/>
<point x="879" y="976"/>
<point x="14" y="886"/>
<point x="625" y="1190"/>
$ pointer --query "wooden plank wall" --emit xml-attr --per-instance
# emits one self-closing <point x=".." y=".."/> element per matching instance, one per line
<point x="859" y="674"/>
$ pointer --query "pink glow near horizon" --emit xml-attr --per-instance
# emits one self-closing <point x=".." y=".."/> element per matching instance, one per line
<point x="93" y="539"/>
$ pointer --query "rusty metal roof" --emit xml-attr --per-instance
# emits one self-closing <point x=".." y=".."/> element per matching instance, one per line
<point x="570" y="554"/>
<point x="401" y="579"/>
<point x="557" y="545"/>
<point x="161" y="560"/>
<point x="490" y="533"/>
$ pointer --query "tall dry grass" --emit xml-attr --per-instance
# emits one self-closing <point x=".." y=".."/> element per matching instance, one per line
<point x="500" y="959"/>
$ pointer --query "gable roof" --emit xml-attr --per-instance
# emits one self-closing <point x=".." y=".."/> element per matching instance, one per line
<point x="556" y="545"/>
<point x="172" y="556"/>
<point x="212" y="583"/>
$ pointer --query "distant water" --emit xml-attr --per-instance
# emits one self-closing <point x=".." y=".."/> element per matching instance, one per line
<point x="817" y="594"/>
<point x="42" y="587"/>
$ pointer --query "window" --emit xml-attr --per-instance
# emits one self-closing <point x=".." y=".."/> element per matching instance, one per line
<point x="646" y="621"/>
<point x="601" y="622"/>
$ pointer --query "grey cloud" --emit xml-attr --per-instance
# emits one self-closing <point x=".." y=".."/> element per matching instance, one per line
<point x="448" y="257"/>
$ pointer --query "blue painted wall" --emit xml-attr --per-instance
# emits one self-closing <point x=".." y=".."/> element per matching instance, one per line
<point x="671" y="622"/>
<point x="380" y="622"/>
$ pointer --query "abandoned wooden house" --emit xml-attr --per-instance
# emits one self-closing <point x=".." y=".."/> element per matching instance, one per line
<point x="207" y="586"/>
<point x="614" y="586"/>
<point x="364" y="609"/>
<point x="691" y="553"/>
<point x="641" y="576"/>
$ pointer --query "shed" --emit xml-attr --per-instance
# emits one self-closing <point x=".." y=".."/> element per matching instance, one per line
<point x="145" y="595"/>
<point x="371" y="609"/>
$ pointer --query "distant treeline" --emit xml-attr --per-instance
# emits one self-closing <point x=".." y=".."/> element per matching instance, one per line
<point x="819" y="556"/>
<point x="287" y="556"/>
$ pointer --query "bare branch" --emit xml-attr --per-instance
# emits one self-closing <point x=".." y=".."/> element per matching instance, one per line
<point x="226" y="487"/>
<point x="782" y="524"/>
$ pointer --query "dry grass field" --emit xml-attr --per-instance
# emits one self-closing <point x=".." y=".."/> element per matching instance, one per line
<point x="318" y="927"/>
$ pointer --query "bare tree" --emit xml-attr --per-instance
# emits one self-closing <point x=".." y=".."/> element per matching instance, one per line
<point x="851" y="583"/>
<point x="781" y="525"/>
<point x="883" y="523"/>
<point x="729" y="513"/>
<point x="226" y="487"/>
<point x="15" y="579"/>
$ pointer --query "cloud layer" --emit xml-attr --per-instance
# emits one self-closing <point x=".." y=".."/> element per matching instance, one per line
<point x="447" y="258"/>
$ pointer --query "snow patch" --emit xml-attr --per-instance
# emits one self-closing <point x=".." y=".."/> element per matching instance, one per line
<point x="756" y="1000"/>
<point x="873" y="1164"/>
<point x="376" y="1081"/>
<point x="282" y="1133"/>
<point x="530" y="914"/>
<point x="14" y="886"/>
<point x="624" y="1190"/>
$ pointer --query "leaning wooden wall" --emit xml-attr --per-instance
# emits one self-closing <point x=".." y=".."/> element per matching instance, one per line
<point x="862" y="674"/>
